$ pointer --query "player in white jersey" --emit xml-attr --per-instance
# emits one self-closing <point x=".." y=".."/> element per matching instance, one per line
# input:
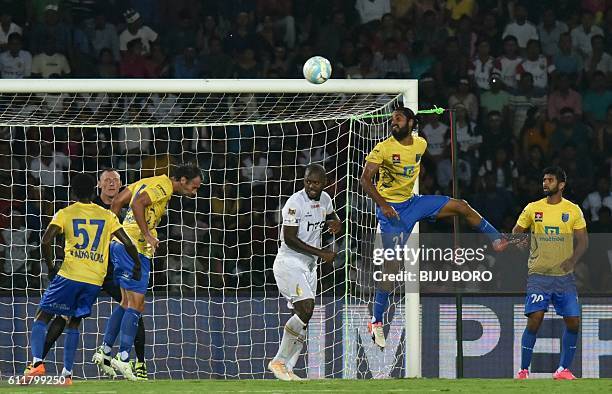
<point x="305" y="215"/>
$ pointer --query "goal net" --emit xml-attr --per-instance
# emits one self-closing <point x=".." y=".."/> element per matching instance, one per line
<point x="213" y="310"/>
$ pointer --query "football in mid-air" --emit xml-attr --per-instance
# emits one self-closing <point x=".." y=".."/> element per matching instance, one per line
<point x="317" y="69"/>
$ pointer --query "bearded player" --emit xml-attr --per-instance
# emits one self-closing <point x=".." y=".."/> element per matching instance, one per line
<point x="305" y="215"/>
<point x="555" y="224"/>
<point x="396" y="161"/>
<point x="147" y="199"/>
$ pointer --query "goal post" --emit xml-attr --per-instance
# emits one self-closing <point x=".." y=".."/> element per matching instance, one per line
<point x="254" y="136"/>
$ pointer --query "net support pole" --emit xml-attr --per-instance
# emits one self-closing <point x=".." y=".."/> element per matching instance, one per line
<point x="456" y="232"/>
<point x="412" y="305"/>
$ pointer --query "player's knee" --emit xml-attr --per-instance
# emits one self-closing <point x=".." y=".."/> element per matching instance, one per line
<point x="74" y="322"/>
<point x="304" y="310"/>
<point x="461" y="207"/>
<point x="535" y="320"/>
<point x="572" y="323"/>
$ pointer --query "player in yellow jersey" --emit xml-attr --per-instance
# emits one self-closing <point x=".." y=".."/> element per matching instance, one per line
<point x="396" y="161"/>
<point x="87" y="230"/>
<point x="555" y="224"/>
<point x="147" y="201"/>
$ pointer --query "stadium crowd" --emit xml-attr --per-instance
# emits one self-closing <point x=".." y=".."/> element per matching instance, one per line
<point x="529" y="83"/>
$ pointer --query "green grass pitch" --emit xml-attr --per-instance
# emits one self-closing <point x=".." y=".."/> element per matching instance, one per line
<point x="326" y="386"/>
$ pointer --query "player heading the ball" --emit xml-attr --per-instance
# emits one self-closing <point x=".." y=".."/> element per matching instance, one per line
<point x="305" y="214"/>
<point x="87" y="230"/>
<point x="397" y="162"/>
<point x="147" y="200"/>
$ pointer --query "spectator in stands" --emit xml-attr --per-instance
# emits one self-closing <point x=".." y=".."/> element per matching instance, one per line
<point x="599" y="59"/>
<point x="7" y="27"/>
<point x="596" y="100"/>
<point x="365" y="68"/>
<point x="583" y="33"/>
<point x="444" y="172"/>
<point x="50" y="62"/>
<point x="603" y="225"/>
<point x="158" y="63"/>
<point x="568" y="61"/>
<point x="570" y="131"/>
<point x="50" y="169"/>
<point x="107" y="67"/>
<point x="241" y="37"/>
<point x="491" y="32"/>
<point x="430" y="32"/>
<point x="347" y="58"/>
<point x="601" y="196"/>
<point x="533" y="163"/>
<point x="391" y="63"/>
<point x="495" y="134"/>
<point x="564" y="96"/>
<point x="332" y="34"/>
<point x="421" y="60"/>
<point x="15" y="62"/>
<point x="247" y="66"/>
<point x="448" y="73"/>
<point x="469" y="138"/>
<point x="217" y="64"/>
<point x="538" y="65"/>
<point x="187" y="65"/>
<point x="496" y="99"/>
<point x="136" y="30"/>
<point x="520" y="28"/>
<point x="536" y="131"/>
<point x="183" y="35"/>
<point x="481" y="67"/>
<point x="372" y="10"/>
<point x="50" y="29"/>
<point x="466" y="37"/>
<point x="504" y="168"/>
<point x="133" y="63"/>
<point x="429" y="93"/>
<point x="506" y="65"/>
<point x="525" y="97"/>
<point x="278" y="65"/>
<point x="104" y="35"/>
<point x="494" y="202"/>
<point x="436" y="134"/>
<point x="467" y="99"/>
<point x="550" y="30"/>
<point x="16" y="250"/>
<point x="603" y="141"/>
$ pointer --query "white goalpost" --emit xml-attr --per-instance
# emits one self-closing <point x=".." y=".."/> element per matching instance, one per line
<point x="212" y="310"/>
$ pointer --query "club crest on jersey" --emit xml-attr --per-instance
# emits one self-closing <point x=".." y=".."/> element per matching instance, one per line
<point x="396" y="158"/>
<point x="291" y="211"/>
<point x="564" y="217"/>
<point x="539" y="216"/>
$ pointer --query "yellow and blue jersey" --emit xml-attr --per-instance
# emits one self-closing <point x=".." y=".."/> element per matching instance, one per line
<point x="159" y="190"/>
<point x="399" y="167"/>
<point x="552" y="227"/>
<point x="87" y="230"/>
